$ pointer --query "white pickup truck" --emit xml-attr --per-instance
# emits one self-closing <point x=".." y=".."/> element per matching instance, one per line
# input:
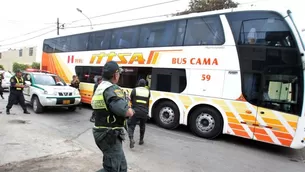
<point x="49" y="90"/>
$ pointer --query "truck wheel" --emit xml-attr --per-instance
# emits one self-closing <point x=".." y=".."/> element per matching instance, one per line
<point x="37" y="107"/>
<point x="206" y="122"/>
<point x="167" y="115"/>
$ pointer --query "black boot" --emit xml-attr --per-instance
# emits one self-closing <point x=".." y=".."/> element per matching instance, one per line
<point x="142" y="131"/>
<point x="132" y="142"/>
<point x="141" y="142"/>
<point x="26" y="112"/>
<point x="8" y="111"/>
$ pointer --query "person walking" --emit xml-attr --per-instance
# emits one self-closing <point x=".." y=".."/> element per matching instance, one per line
<point x="140" y="103"/>
<point x="16" y="92"/>
<point x="111" y="110"/>
<point x="1" y="88"/>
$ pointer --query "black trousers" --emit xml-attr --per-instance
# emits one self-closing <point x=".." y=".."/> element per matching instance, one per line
<point x="132" y="122"/>
<point x="1" y="90"/>
<point x="16" y="97"/>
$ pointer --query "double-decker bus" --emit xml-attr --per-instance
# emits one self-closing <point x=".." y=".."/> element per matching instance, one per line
<point x="238" y="71"/>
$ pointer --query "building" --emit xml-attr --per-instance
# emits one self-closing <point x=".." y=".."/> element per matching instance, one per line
<point x="25" y="55"/>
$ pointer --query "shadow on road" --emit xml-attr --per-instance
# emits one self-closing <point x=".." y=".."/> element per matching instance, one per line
<point x="246" y="143"/>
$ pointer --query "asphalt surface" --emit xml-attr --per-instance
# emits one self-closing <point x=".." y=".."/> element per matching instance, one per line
<point x="164" y="150"/>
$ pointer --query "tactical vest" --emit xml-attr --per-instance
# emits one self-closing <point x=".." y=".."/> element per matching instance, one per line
<point x="141" y="100"/>
<point x="104" y="117"/>
<point x="19" y="83"/>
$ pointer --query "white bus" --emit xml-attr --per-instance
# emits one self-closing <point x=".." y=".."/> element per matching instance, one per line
<point x="236" y="71"/>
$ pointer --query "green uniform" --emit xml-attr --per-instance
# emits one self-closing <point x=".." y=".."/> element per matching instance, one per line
<point x="110" y="107"/>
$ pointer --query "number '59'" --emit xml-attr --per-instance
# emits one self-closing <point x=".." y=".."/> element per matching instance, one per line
<point x="205" y="77"/>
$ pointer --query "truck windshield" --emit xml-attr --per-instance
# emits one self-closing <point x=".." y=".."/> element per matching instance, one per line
<point x="49" y="80"/>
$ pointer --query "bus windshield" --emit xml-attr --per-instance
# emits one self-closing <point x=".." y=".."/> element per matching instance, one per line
<point x="301" y="35"/>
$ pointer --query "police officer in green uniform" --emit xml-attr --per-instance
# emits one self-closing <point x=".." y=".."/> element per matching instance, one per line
<point x="140" y="103"/>
<point x="111" y="110"/>
<point x="16" y="93"/>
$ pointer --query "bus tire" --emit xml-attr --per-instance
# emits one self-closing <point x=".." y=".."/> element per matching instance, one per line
<point x="206" y="122"/>
<point x="167" y="115"/>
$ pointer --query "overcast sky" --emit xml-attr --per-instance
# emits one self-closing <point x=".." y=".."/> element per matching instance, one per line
<point x="19" y="17"/>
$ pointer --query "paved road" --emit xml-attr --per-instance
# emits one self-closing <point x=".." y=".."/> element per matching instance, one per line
<point x="165" y="150"/>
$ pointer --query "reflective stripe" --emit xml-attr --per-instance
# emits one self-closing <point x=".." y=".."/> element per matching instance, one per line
<point x="142" y="92"/>
<point x="141" y="101"/>
<point x="18" y="83"/>
<point x="114" y="128"/>
<point x="98" y="101"/>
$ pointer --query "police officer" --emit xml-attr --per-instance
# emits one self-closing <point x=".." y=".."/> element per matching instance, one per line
<point x="140" y="102"/>
<point x="16" y="93"/>
<point x="111" y="110"/>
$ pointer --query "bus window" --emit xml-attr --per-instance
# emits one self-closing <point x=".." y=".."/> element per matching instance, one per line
<point x="79" y="42"/>
<point x="125" y="37"/>
<point x="164" y="79"/>
<point x="204" y="31"/>
<point x="49" y="45"/>
<point x="131" y="75"/>
<point x="270" y="62"/>
<point x="99" y="40"/>
<point x="88" y="74"/>
<point x="158" y="34"/>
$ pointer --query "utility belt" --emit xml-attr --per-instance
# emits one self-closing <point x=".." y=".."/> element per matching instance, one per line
<point x="111" y="134"/>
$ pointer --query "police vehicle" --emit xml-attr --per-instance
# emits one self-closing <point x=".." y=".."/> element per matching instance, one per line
<point x="48" y="90"/>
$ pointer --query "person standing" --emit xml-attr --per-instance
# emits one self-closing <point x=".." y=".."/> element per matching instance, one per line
<point x="16" y="93"/>
<point x="140" y="103"/>
<point x="99" y="80"/>
<point x="111" y="110"/>
<point x="1" y="88"/>
<point x="75" y="82"/>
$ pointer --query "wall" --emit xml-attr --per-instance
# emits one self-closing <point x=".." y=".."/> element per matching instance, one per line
<point x="10" y="56"/>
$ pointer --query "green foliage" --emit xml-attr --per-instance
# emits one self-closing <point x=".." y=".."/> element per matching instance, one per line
<point x="18" y="66"/>
<point x="1" y="67"/>
<point x="196" y="6"/>
<point x="35" y="65"/>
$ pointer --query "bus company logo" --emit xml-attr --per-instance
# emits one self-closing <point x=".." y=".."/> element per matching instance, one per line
<point x="129" y="58"/>
<point x="71" y="59"/>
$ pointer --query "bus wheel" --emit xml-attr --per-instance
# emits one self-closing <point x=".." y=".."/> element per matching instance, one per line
<point x="167" y="115"/>
<point x="206" y="122"/>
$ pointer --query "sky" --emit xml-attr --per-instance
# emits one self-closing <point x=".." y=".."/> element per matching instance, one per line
<point x="22" y="20"/>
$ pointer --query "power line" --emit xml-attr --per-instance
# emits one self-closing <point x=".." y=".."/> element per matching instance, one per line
<point x="28" y="38"/>
<point x="27" y="22"/>
<point x="132" y="9"/>
<point x="26" y="33"/>
<point x="127" y="10"/>
<point x="121" y="21"/>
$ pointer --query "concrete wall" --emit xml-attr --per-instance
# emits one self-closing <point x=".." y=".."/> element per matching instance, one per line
<point x="10" y="56"/>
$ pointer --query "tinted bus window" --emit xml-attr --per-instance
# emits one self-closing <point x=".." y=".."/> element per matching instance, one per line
<point x="204" y="31"/>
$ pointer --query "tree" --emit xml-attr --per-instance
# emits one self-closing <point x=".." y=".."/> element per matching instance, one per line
<point x="18" y="66"/>
<point x="35" y="65"/>
<point x="196" y="6"/>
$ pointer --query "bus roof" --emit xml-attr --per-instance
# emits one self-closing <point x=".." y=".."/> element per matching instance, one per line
<point x="131" y="22"/>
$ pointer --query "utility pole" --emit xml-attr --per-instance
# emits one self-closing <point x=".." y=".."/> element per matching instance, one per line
<point x="57" y="26"/>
